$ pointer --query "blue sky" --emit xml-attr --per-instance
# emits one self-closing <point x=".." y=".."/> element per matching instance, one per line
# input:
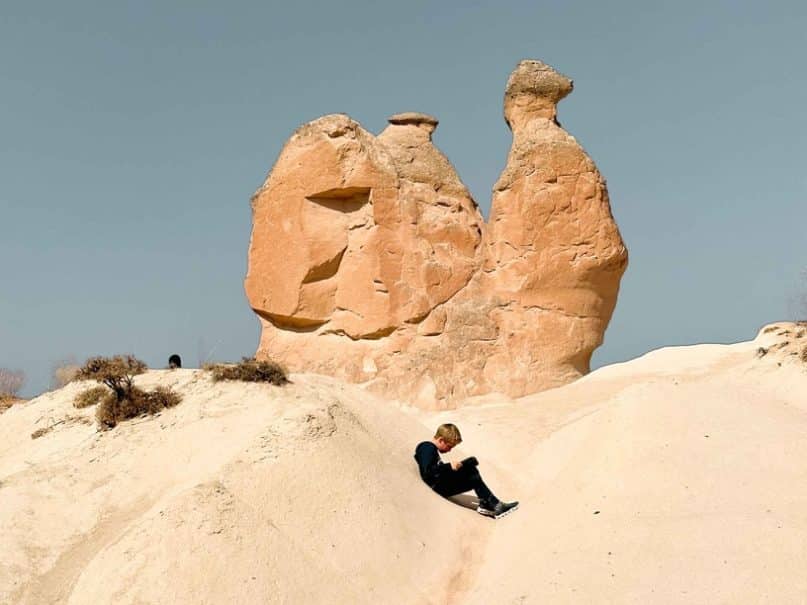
<point x="134" y="133"/>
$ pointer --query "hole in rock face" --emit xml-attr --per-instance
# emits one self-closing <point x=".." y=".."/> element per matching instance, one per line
<point x="346" y="200"/>
<point x="290" y="323"/>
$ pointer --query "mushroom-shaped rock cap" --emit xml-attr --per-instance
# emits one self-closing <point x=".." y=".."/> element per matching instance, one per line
<point x="533" y="91"/>
<point x="413" y="117"/>
<point x="538" y="79"/>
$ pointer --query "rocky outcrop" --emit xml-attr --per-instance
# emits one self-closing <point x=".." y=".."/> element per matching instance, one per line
<point x="554" y="257"/>
<point x="370" y="261"/>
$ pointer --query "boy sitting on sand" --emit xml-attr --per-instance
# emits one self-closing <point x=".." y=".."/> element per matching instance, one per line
<point x="450" y="479"/>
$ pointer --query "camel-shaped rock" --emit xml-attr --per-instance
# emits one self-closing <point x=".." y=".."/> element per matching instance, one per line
<point x="370" y="261"/>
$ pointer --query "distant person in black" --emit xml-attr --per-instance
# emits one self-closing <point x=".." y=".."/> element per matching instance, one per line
<point x="450" y="479"/>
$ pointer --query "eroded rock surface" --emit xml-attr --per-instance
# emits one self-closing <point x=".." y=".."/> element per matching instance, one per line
<point x="370" y="261"/>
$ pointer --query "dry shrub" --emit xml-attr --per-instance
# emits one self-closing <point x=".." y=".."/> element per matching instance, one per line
<point x="770" y="329"/>
<point x="803" y="354"/>
<point x="116" y="372"/>
<point x="124" y="400"/>
<point x="90" y="397"/>
<point x="249" y="370"/>
<point x="161" y="398"/>
<point x="6" y="401"/>
<point x="11" y="382"/>
<point x="136" y="402"/>
<point x="40" y="432"/>
<point x="64" y="372"/>
<point x="762" y="351"/>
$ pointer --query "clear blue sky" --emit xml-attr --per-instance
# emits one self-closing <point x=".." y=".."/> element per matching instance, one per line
<point x="132" y="135"/>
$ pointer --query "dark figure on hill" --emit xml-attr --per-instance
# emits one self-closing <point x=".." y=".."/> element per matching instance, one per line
<point x="452" y="478"/>
<point x="174" y="362"/>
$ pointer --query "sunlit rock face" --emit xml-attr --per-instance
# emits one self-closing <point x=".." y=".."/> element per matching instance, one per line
<point x="554" y="257"/>
<point x="370" y="261"/>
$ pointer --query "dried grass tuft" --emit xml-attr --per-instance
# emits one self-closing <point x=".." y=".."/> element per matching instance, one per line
<point x="136" y="402"/>
<point x="124" y="400"/>
<point x="63" y="373"/>
<point x="11" y="382"/>
<point x="116" y="372"/>
<point x="90" y="397"/>
<point x="40" y="432"/>
<point x="249" y="370"/>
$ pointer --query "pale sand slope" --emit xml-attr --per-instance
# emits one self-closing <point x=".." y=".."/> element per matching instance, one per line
<point x="693" y="459"/>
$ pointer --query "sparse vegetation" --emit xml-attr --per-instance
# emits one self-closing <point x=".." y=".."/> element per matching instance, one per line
<point x="161" y="398"/>
<point x="6" y="401"/>
<point x="11" y="382"/>
<point x="40" y="432"/>
<point x="803" y="354"/>
<point x="124" y="400"/>
<point x="64" y="372"/>
<point x="112" y="409"/>
<point x="90" y="397"/>
<point x="116" y="372"/>
<point x="67" y="421"/>
<point x="249" y="369"/>
<point x="762" y="351"/>
<point x="137" y="402"/>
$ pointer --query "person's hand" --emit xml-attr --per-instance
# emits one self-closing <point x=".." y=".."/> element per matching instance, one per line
<point x="456" y="466"/>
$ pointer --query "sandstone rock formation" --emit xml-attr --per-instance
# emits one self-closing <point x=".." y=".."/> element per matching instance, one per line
<point x="370" y="261"/>
<point x="555" y="256"/>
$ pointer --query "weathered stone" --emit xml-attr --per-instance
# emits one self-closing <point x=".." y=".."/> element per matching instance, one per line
<point x="555" y="256"/>
<point x="367" y="260"/>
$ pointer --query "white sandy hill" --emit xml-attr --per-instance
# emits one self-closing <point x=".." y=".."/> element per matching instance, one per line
<point x="679" y="477"/>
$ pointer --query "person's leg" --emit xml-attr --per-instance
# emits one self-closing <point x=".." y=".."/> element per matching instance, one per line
<point x="463" y="480"/>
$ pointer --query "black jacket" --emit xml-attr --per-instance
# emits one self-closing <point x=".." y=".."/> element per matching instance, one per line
<point x="428" y="459"/>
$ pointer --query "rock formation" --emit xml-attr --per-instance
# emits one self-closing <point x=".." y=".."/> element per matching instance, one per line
<point x="370" y="261"/>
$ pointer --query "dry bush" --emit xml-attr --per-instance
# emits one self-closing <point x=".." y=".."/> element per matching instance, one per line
<point x="249" y="370"/>
<point x="116" y="372"/>
<point x="135" y="403"/>
<point x="113" y="409"/>
<point x="63" y="372"/>
<point x="770" y="329"/>
<point x="161" y="398"/>
<point x="90" y="397"/>
<point x="124" y="400"/>
<point x="11" y="382"/>
<point x="40" y="432"/>
<point x="6" y="401"/>
<point x="803" y="355"/>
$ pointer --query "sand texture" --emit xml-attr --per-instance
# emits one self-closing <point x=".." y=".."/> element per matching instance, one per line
<point x="678" y="477"/>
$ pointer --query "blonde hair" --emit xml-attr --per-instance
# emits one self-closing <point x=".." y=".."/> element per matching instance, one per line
<point x="448" y="433"/>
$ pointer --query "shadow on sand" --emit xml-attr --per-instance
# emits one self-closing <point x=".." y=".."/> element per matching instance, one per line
<point x="465" y="500"/>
